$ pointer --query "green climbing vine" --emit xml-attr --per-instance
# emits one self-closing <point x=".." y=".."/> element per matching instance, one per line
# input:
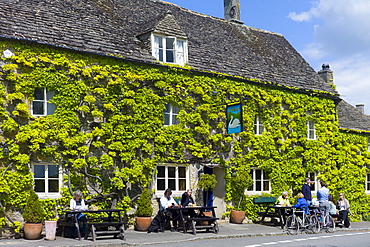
<point x="107" y="131"/>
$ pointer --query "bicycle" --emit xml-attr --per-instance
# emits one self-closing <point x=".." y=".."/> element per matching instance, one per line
<point x="294" y="223"/>
<point x="326" y="223"/>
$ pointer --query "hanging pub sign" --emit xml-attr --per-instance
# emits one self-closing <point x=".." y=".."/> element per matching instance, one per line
<point x="234" y="118"/>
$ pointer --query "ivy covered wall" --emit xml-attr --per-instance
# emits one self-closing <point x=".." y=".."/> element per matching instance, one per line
<point x="107" y="131"/>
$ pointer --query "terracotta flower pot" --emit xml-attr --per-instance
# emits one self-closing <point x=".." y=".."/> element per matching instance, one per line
<point x="237" y="216"/>
<point x="142" y="223"/>
<point x="32" y="231"/>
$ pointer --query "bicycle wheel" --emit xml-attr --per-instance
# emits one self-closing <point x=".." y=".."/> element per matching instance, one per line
<point x="314" y="224"/>
<point x="329" y="224"/>
<point x="306" y="224"/>
<point x="292" y="225"/>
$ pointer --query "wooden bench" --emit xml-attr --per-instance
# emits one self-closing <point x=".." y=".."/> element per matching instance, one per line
<point x="62" y="224"/>
<point x="265" y="201"/>
<point x="196" y="224"/>
<point x="93" y="228"/>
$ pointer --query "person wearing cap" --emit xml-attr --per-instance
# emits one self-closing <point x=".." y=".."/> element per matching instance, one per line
<point x="283" y="200"/>
<point x="306" y="191"/>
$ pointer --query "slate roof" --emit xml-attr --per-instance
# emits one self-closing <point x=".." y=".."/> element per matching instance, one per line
<point x="114" y="27"/>
<point x="352" y="118"/>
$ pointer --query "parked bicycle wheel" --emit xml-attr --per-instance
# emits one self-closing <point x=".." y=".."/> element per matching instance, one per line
<point x="314" y="224"/>
<point x="307" y="224"/>
<point x="292" y="225"/>
<point x="329" y="224"/>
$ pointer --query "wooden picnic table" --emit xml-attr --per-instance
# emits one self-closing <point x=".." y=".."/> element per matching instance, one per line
<point x="195" y="222"/>
<point x="276" y="211"/>
<point x="95" y="223"/>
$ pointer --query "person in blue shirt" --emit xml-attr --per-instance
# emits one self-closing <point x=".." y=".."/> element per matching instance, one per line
<point x="323" y="197"/>
<point x="302" y="203"/>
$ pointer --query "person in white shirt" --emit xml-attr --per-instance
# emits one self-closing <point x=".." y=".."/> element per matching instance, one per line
<point x="77" y="203"/>
<point x="167" y="202"/>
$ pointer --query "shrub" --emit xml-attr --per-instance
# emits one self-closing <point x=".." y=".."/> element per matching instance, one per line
<point x="144" y="205"/>
<point x="33" y="212"/>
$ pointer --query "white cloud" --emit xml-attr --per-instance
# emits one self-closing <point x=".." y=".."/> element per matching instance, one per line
<point x="342" y="38"/>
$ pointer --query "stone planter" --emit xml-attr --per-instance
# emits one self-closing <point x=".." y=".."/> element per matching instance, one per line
<point x="32" y="231"/>
<point x="237" y="217"/>
<point x="142" y="223"/>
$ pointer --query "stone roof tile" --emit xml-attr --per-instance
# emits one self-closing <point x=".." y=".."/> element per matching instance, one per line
<point x="113" y="27"/>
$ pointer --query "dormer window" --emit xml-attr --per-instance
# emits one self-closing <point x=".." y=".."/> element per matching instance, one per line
<point x="169" y="49"/>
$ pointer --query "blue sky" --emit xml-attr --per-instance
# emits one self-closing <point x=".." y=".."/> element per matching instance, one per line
<point x="322" y="31"/>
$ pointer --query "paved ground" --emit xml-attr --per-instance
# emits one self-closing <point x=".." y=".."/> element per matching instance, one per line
<point x="135" y="238"/>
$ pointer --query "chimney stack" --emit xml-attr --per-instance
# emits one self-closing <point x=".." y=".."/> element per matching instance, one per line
<point x="326" y="74"/>
<point x="232" y="10"/>
<point x="361" y="108"/>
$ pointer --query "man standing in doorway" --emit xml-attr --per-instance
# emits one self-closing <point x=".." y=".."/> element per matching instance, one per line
<point x="306" y="191"/>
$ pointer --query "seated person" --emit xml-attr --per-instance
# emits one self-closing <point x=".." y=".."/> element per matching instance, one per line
<point x="332" y="208"/>
<point x="283" y="200"/>
<point x="302" y="203"/>
<point x="77" y="203"/>
<point x="343" y="206"/>
<point x="187" y="200"/>
<point x="168" y="202"/>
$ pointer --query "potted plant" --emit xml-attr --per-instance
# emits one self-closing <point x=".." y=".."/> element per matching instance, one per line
<point x="207" y="182"/>
<point x="144" y="211"/>
<point x="33" y="215"/>
<point x="240" y="182"/>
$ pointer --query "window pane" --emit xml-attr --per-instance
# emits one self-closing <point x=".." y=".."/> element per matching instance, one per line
<point x="368" y="186"/>
<point x="182" y="184"/>
<point x="161" y="185"/>
<point x="168" y="108"/>
<point x="260" y="129"/>
<point x="172" y="184"/>
<point x="175" y="110"/>
<point x="39" y="93"/>
<point x="258" y="174"/>
<point x="175" y="120"/>
<point x="37" y="108"/>
<point x="53" y="185"/>
<point x="258" y="185"/>
<point x="182" y="173"/>
<point x="266" y="186"/>
<point x="39" y="185"/>
<point x="169" y="56"/>
<point x="53" y="171"/>
<point x="160" y="55"/>
<point x="161" y="171"/>
<point x="170" y="43"/>
<point x="167" y="119"/>
<point x="265" y="175"/>
<point x="171" y="172"/>
<point x="39" y="171"/>
<point x="50" y="108"/>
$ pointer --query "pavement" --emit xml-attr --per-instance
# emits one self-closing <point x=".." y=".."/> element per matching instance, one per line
<point x="136" y="238"/>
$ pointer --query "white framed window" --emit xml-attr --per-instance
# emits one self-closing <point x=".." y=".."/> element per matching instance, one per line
<point x="169" y="49"/>
<point x="40" y="104"/>
<point x="314" y="182"/>
<point x="261" y="181"/>
<point x="48" y="180"/>
<point x="311" y="132"/>
<point x="259" y="128"/>
<point x="367" y="185"/>
<point x="170" y="115"/>
<point x="175" y="177"/>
